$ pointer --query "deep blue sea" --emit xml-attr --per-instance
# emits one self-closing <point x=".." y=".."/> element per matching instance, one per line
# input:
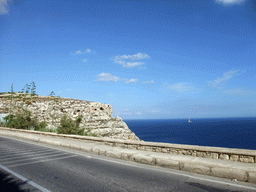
<point x="217" y="132"/>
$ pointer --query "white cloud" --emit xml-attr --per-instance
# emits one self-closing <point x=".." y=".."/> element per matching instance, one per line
<point x="107" y="77"/>
<point x="149" y="82"/>
<point x="3" y="7"/>
<point x="134" y="64"/>
<point x="68" y="89"/>
<point x="182" y="87"/>
<point x="133" y="57"/>
<point x="138" y="113"/>
<point x="120" y="62"/>
<point x="220" y="81"/>
<point x="85" y="60"/>
<point x="123" y="60"/>
<point x="230" y="2"/>
<point x="131" y="81"/>
<point x="79" y="52"/>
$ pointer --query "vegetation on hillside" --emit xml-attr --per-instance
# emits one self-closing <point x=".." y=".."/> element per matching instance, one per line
<point x="22" y="118"/>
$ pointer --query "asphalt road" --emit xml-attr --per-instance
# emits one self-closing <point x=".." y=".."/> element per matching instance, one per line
<point x="31" y="166"/>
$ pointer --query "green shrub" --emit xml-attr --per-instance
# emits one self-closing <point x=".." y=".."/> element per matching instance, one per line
<point x="46" y="130"/>
<point x="94" y="135"/>
<point x="68" y="126"/>
<point x="41" y="126"/>
<point x="9" y="119"/>
<point x="78" y="120"/>
<point x="21" y="120"/>
<point x="2" y="122"/>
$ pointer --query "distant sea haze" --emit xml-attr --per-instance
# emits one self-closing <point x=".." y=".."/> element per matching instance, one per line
<point x="216" y="132"/>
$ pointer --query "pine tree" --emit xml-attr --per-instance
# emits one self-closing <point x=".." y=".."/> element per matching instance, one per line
<point x="27" y="89"/>
<point x="52" y="93"/>
<point x="33" y="92"/>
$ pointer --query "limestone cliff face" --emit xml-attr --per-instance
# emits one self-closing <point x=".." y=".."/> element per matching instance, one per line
<point x="97" y="117"/>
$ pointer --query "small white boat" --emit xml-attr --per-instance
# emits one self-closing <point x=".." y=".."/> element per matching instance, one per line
<point x="189" y="120"/>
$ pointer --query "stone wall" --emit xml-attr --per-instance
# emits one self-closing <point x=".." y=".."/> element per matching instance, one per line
<point x="226" y="154"/>
<point x="97" y="117"/>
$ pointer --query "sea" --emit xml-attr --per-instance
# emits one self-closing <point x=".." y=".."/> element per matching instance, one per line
<point x="237" y="133"/>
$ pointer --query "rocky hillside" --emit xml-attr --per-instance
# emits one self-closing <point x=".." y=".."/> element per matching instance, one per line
<point x="97" y="117"/>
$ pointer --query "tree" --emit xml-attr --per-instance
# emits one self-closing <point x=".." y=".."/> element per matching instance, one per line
<point x="33" y="92"/>
<point x="52" y="93"/>
<point x="27" y="88"/>
<point x="23" y="90"/>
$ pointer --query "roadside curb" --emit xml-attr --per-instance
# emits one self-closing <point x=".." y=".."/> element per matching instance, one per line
<point x="245" y="172"/>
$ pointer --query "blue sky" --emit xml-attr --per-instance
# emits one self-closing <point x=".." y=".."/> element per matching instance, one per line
<point x="149" y="59"/>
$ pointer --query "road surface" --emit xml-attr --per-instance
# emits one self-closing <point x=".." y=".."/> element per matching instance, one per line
<point x="31" y="166"/>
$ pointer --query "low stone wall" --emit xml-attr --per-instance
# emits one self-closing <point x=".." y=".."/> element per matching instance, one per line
<point x="239" y="155"/>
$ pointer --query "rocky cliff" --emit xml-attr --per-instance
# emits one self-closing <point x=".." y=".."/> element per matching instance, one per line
<point x="97" y="117"/>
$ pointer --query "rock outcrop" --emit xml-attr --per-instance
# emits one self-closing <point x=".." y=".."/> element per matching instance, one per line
<point x="97" y="117"/>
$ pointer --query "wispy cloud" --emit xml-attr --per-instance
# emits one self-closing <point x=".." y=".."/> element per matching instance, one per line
<point x="133" y="57"/>
<point x="85" y="60"/>
<point x="131" y="60"/>
<point x="68" y="89"/>
<point x="79" y="52"/>
<point x="240" y="92"/>
<point x="3" y="7"/>
<point x="107" y="77"/>
<point x="182" y="87"/>
<point x="149" y="82"/>
<point x="230" y="2"/>
<point x="220" y="81"/>
<point x="131" y="81"/>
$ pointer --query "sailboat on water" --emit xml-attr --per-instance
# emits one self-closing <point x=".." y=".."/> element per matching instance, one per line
<point x="189" y="120"/>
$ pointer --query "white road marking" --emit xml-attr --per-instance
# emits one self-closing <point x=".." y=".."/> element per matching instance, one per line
<point x="32" y="158"/>
<point x="166" y="171"/>
<point x="19" y="150"/>
<point x="25" y="179"/>
<point x="18" y="153"/>
<point x="43" y="161"/>
<point x="17" y="147"/>
<point x="19" y="157"/>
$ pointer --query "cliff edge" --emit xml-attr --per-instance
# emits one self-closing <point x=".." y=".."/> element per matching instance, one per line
<point x="97" y="117"/>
